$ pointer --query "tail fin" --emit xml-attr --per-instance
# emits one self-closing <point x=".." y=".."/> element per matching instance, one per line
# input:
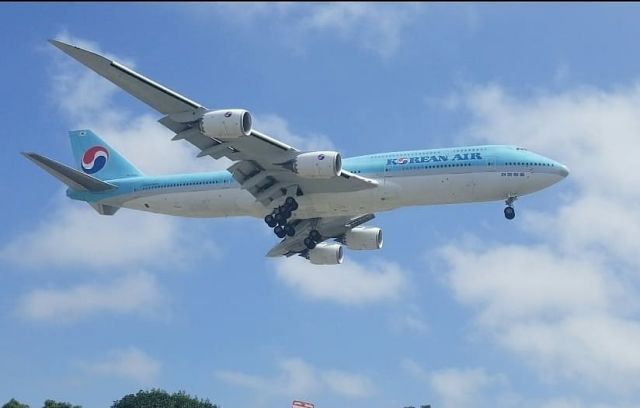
<point x="95" y="157"/>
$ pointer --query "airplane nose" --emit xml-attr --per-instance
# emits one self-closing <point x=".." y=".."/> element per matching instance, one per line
<point x="564" y="170"/>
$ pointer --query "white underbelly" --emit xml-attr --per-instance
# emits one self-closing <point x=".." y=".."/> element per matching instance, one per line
<point x="228" y="202"/>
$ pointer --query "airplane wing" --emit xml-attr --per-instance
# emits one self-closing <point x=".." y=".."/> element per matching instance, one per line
<point x="258" y="157"/>
<point x="329" y="227"/>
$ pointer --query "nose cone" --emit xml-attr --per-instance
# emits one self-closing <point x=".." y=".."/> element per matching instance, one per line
<point x="563" y="170"/>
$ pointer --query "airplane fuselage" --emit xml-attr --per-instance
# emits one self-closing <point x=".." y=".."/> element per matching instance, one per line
<point x="410" y="178"/>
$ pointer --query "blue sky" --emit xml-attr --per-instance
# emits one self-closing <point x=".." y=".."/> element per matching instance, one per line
<point x="460" y="308"/>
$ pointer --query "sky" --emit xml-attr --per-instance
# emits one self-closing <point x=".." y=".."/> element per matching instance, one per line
<point x="460" y="308"/>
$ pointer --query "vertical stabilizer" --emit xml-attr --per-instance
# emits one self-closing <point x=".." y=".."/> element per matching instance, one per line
<point x="95" y="157"/>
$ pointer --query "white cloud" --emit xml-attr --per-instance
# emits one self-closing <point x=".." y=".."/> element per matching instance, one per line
<point x="413" y="324"/>
<point x="591" y="349"/>
<point x="562" y="403"/>
<point x="136" y="293"/>
<point x="276" y="127"/>
<point x="349" y="283"/>
<point x="410" y="322"/>
<point x="612" y="229"/>
<point x="348" y="384"/>
<point x="415" y="370"/>
<point x="460" y="388"/>
<point x="567" y="304"/>
<point x="75" y="235"/>
<point x="558" y="312"/>
<point x="130" y="364"/>
<point x="377" y="28"/>
<point x="533" y="281"/>
<point x="299" y="378"/>
<point x="472" y="387"/>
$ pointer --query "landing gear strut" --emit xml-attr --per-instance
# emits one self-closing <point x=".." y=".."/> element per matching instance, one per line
<point x="279" y="217"/>
<point x="509" y="211"/>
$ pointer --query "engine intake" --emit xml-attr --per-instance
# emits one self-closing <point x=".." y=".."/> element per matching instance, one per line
<point x="318" y="165"/>
<point x="226" y="124"/>
<point x="363" y="238"/>
<point x="326" y="254"/>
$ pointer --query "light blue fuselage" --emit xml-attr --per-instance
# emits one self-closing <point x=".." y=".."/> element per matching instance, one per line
<point x="421" y="177"/>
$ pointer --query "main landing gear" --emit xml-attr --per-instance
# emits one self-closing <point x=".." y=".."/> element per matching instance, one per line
<point x="312" y="240"/>
<point x="279" y="217"/>
<point x="509" y="211"/>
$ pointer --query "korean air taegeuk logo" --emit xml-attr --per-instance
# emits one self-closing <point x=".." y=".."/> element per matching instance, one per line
<point x="94" y="159"/>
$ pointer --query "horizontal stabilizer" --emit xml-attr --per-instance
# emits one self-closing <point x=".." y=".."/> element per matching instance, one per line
<point x="69" y="176"/>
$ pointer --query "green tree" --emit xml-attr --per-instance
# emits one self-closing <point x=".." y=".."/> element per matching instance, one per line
<point x="161" y="399"/>
<point x="56" y="404"/>
<point x="14" y="404"/>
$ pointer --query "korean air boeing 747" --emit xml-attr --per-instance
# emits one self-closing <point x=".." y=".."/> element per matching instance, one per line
<point x="308" y="198"/>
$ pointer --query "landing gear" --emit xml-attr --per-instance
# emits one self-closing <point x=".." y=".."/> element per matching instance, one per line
<point x="271" y="221"/>
<point x="315" y="235"/>
<point x="309" y="243"/>
<point x="279" y="231"/>
<point x="312" y="240"/>
<point x="289" y="230"/>
<point x="285" y="215"/>
<point x="510" y="212"/>
<point x="291" y="203"/>
<point x="279" y="217"/>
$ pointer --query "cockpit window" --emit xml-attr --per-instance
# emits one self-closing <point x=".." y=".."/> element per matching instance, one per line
<point x="521" y="148"/>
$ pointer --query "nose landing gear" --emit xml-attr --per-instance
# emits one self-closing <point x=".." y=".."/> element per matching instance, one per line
<point x="279" y="217"/>
<point x="509" y="211"/>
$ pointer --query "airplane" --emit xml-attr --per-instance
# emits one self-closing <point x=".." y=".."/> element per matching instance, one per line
<point x="316" y="202"/>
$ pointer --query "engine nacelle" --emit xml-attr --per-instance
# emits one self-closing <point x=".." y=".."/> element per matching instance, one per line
<point x="326" y="254"/>
<point x="318" y="165"/>
<point x="363" y="238"/>
<point x="226" y="124"/>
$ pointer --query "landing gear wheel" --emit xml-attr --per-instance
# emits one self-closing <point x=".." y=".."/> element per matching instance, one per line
<point x="279" y="218"/>
<point x="270" y="220"/>
<point x="279" y="231"/>
<point x="509" y="213"/>
<point x="309" y="243"/>
<point x="315" y="235"/>
<point x="291" y="203"/>
<point x="289" y="230"/>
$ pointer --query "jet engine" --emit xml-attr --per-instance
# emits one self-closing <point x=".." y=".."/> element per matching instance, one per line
<point x="363" y="238"/>
<point x="326" y="254"/>
<point x="226" y="124"/>
<point x="318" y="165"/>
